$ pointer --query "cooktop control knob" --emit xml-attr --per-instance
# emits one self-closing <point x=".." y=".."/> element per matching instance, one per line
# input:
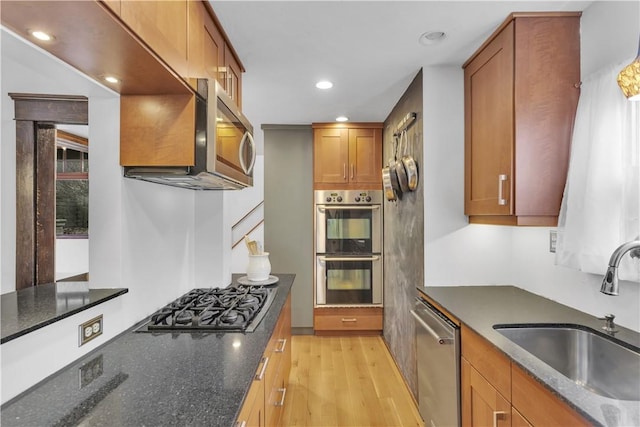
<point x="339" y="198"/>
<point x="328" y="199"/>
<point x="368" y="199"/>
<point x="357" y="198"/>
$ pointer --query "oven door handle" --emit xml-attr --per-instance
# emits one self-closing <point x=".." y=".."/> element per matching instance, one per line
<point x="323" y="208"/>
<point x="331" y="258"/>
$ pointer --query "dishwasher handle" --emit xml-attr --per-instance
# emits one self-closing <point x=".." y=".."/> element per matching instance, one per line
<point x="441" y="340"/>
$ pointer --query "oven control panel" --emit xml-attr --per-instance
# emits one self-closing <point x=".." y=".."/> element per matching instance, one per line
<point x="348" y="197"/>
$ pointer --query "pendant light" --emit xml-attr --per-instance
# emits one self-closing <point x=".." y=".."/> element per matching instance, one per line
<point x="629" y="79"/>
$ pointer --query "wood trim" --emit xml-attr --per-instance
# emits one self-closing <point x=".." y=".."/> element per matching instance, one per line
<point x="69" y="137"/>
<point x="36" y="116"/>
<point x="25" y="212"/>
<point x="337" y="125"/>
<point x="45" y="192"/>
<point x="544" y="221"/>
<point x="71" y="110"/>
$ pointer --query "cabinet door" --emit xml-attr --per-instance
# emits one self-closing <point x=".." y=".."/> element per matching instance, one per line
<point x="331" y="155"/>
<point x="162" y="25"/>
<point x="252" y="413"/>
<point x="233" y="76"/>
<point x="365" y="155"/>
<point x="489" y="134"/>
<point x="482" y="405"/>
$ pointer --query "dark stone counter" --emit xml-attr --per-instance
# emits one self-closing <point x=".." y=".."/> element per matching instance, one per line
<point x="30" y="309"/>
<point x="152" y="379"/>
<point x="481" y="307"/>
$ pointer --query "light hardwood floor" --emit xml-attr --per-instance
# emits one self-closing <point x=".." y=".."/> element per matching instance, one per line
<point x="346" y="381"/>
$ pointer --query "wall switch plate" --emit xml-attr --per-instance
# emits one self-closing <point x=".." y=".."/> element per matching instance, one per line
<point x="90" y="371"/>
<point x="89" y="330"/>
<point x="553" y="238"/>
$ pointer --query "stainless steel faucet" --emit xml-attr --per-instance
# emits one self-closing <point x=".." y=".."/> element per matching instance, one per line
<point x="610" y="281"/>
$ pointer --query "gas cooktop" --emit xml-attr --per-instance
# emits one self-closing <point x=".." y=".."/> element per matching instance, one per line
<point x="233" y="309"/>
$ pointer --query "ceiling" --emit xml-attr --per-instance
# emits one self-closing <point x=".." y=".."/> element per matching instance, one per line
<point x="370" y="50"/>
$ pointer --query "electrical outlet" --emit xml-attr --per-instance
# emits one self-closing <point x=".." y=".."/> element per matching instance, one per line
<point x="90" y="371"/>
<point x="89" y="330"/>
<point x="553" y="238"/>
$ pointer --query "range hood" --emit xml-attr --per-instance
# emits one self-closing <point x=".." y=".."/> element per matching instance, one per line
<point x="223" y="147"/>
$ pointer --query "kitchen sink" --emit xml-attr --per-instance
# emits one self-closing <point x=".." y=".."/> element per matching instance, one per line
<point x="590" y="359"/>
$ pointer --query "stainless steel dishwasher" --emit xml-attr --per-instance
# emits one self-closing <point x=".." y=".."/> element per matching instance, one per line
<point x="438" y="359"/>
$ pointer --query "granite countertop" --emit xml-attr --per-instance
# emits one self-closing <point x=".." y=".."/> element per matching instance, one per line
<point x="153" y="379"/>
<point x="481" y="307"/>
<point x="33" y="308"/>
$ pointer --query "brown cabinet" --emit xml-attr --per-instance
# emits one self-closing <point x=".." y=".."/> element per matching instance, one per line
<point x="339" y="320"/>
<point x="265" y="401"/>
<point x="157" y="130"/>
<point x="347" y="156"/>
<point x="162" y="25"/>
<point x="206" y="45"/>
<point x="498" y="392"/>
<point x="482" y="404"/>
<point x="521" y="92"/>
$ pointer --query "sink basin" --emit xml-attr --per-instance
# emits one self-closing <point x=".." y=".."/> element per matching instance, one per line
<point x="591" y="360"/>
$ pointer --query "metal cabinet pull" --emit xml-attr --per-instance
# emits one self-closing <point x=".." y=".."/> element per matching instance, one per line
<point x="283" y="341"/>
<point x="353" y="171"/>
<point x="241" y="424"/>
<point x="498" y="415"/>
<point x="265" y="362"/>
<point x="353" y="319"/>
<point x="330" y="258"/>
<point x="502" y="178"/>
<point x="284" y="393"/>
<point x="344" y="171"/>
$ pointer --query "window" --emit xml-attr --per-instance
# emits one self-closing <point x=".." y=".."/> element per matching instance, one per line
<point x="72" y="186"/>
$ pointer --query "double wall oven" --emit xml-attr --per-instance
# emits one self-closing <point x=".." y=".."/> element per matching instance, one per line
<point x="348" y="248"/>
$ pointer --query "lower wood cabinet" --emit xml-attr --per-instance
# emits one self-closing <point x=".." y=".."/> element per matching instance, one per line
<point x="339" y="320"/>
<point x="496" y="392"/>
<point x="264" y="403"/>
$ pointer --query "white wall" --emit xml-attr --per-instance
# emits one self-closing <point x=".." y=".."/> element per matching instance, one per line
<point x="458" y="253"/>
<point x="72" y="257"/>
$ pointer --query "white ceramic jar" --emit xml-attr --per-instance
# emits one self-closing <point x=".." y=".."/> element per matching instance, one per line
<point x="259" y="267"/>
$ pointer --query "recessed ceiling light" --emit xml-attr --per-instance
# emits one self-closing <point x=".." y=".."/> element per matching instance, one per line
<point x="112" y="79"/>
<point x="324" y="84"/>
<point x="432" y="37"/>
<point x="342" y="119"/>
<point x="41" y="35"/>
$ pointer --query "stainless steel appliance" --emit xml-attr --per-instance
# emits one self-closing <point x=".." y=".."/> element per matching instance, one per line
<point x="438" y="359"/>
<point x="348" y="247"/>
<point x="233" y="309"/>
<point x="223" y="142"/>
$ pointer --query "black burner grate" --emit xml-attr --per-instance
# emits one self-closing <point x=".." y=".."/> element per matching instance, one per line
<point x="214" y="309"/>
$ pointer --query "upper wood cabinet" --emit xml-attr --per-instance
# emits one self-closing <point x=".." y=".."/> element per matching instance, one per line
<point x="210" y="53"/>
<point x="206" y="45"/>
<point x="162" y="25"/>
<point x="521" y="91"/>
<point x="347" y="156"/>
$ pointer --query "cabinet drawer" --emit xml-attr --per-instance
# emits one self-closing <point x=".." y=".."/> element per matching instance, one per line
<point x="538" y="405"/>
<point x="348" y="319"/>
<point x="489" y="361"/>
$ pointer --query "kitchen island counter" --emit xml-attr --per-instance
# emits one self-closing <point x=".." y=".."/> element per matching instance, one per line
<point x="153" y="379"/>
<point x="481" y="307"/>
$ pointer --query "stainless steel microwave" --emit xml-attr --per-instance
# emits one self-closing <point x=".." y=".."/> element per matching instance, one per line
<point x="225" y="152"/>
